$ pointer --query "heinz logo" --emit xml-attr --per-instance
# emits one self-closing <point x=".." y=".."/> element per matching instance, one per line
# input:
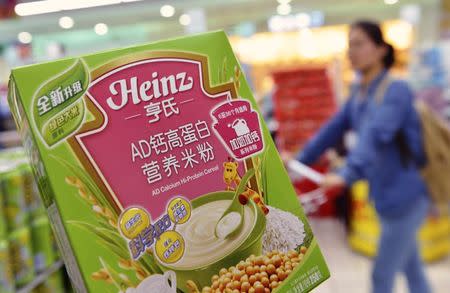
<point x="124" y="90"/>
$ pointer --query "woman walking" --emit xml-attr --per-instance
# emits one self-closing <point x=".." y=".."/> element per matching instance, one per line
<point x="388" y="153"/>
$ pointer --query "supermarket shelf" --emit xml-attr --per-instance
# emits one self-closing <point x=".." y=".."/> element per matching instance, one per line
<point x="42" y="277"/>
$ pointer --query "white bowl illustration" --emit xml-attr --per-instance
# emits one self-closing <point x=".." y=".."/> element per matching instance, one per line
<point x="157" y="283"/>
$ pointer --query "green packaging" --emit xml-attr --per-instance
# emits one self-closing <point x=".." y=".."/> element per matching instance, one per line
<point x="6" y="274"/>
<point x="138" y="153"/>
<point x="3" y="225"/>
<point x="21" y="255"/>
<point x="33" y="201"/>
<point x="54" y="284"/>
<point x="16" y="153"/>
<point x="43" y="250"/>
<point x="15" y="207"/>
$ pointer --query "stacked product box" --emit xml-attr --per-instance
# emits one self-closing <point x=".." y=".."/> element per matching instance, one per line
<point x="303" y="101"/>
<point x="26" y="243"/>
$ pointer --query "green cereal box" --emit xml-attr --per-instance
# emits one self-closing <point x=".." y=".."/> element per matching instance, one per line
<point x="6" y="275"/>
<point x="21" y="255"/>
<point x="41" y="235"/>
<point x="159" y="174"/>
<point x="12" y="186"/>
<point x="3" y="225"/>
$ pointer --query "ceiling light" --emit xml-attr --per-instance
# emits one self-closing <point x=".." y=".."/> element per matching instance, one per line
<point x="101" y="29"/>
<point x="66" y="22"/>
<point x="185" y="19"/>
<point x="47" y="6"/>
<point x="25" y="37"/>
<point x="284" y="1"/>
<point x="390" y="2"/>
<point x="167" y="11"/>
<point x="284" y="9"/>
<point x="37" y="7"/>
<point x="79" y="4"/>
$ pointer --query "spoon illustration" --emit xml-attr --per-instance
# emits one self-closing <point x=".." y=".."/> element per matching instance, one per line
<point x="231" y="222"/>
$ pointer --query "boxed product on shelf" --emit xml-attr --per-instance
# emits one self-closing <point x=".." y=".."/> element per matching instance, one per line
<point x="159" y="174"/>
<point x="303" y="102"/>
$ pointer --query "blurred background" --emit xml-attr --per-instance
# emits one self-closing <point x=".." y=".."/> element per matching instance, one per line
<point x="294" y="55"/>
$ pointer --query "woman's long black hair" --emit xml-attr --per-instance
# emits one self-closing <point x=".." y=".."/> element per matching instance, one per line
<point x="373" y="31"/>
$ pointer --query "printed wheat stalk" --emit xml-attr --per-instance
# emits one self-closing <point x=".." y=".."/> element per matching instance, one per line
<point x="237" y="75"/>
<point x="125" y="280"/>
<point x="104" y="212"/>
<point x="192" y="287"/>
<point x="224" y="69"/>
<point x="119" y="279"/>
<point x="102" y="275"/>
<point x="263" y="170"/>
<point x="127" y="264"/>
<point x="257" y="167"/>
<point x="107" y="274"/>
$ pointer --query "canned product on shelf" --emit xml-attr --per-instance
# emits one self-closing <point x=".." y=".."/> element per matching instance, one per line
<point x="34" y="204"/>
<point x="43" y="250"/>
<point x="54" y="284"/>
<point x="21" y="256"/>
<point x="6" y="274"/>
<point x="12" y="153"/>
<point x="11" y="183"/>
<point x="3" y="226"/>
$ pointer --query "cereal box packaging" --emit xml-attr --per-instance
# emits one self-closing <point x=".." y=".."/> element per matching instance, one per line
<point x="159" y="174"/>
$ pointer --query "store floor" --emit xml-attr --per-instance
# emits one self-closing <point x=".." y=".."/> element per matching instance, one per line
<point x="350" y="272"/>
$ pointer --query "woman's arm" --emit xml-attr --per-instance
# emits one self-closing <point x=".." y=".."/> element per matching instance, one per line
<point x="380" y="129"/>
<point x="328" y="136"/>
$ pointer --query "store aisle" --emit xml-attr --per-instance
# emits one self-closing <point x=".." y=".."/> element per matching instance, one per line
<point x="350" y="272"/>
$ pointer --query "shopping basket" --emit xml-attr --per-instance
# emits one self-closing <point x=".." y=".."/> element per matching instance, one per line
<point x="316" y="201"/>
